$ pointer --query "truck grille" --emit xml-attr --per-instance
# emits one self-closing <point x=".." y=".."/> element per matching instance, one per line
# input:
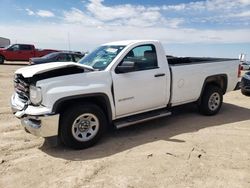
<point x="21" y="88"/>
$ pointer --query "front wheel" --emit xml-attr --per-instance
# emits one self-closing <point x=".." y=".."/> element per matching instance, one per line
<point x="245" y="93"/>
<point x="82" y="126"/>
<point x="211" y="100"/>
<point x="1" y="59"/>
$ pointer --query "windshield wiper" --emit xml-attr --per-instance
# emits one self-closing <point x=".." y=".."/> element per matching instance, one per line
<point x="89" y="67"/>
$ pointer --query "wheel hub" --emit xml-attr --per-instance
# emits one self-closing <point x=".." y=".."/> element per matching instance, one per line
<point x="214" y="101"/>
<point x="83" y="126"/>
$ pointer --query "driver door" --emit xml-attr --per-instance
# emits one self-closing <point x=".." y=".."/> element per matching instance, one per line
<point x="13" y="52"/>
<point x="141" y="89"/>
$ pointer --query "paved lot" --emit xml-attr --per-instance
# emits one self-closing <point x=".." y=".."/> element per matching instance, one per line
<point x="184" y="150"/>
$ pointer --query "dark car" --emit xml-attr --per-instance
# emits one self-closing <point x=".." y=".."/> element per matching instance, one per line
<point x="245" y="66"/>
<point x="57" y="57"/>
<point x="245" y="84"/>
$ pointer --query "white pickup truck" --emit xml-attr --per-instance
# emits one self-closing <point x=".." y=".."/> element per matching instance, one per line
<point x="118" y="84"/>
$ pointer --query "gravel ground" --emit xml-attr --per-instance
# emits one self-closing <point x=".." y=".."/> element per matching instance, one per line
<point x="183" y="150"/>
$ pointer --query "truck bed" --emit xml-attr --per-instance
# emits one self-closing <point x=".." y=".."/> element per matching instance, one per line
<point x="193" y="60"/>
<point x="188" y="75"/>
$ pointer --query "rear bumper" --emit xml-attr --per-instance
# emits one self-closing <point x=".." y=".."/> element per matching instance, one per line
<point x="36" y="120"/>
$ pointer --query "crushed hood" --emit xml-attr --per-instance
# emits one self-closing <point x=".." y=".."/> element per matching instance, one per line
<point x="30" y="71"/>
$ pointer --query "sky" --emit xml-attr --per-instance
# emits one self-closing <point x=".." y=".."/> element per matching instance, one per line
<point x="211" y="28"/>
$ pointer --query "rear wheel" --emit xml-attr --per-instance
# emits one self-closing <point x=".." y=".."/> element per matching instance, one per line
<point x="1" y="59"/>
<point x="211" y="100"/>
<point x="82" y="126"/>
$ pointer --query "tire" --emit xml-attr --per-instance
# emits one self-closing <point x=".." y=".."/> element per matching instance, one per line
<point x="76" y="130"/>
<point x="245" y="93"/>
<point x="1" y="59"/>
<point x="211" y="100"/>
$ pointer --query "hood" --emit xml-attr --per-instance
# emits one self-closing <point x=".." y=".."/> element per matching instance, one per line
<point x="30" y="71"/>
<point x="37" y="60"/>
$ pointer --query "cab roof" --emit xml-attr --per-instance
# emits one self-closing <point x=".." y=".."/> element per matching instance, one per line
<point x="127" y="42"/>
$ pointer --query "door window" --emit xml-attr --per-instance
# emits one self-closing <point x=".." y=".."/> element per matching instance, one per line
<point x="143" y="56"/>
<point x="77" y="57"/>
<point x="64" y="57"/>
<point x="25" y="47"/>
<point x="14" y="47"/>
<point x="61" y="57"/>
<point x="69" y="57"/>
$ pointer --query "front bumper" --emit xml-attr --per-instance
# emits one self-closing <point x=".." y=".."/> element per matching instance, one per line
<point x="245" y="85"/>
<point x="41" y="126"/>
<point x="36" y="120"/>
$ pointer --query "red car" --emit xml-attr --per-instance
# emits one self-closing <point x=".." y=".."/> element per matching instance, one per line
<point x="22" y="52"/>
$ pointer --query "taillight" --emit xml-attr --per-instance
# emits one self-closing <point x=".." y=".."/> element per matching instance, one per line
<point x="239" y="70"/>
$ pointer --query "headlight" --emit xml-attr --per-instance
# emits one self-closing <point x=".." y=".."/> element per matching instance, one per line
<point x="35" y="95"/>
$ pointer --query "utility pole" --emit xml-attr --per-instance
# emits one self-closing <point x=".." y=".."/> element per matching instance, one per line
<point x="69" y="42"/>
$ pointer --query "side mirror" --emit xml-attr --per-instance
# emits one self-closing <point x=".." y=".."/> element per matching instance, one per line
<point x="126" y="66"/>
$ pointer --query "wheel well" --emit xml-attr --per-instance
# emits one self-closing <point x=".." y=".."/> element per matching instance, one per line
<point x="216" y="80"/>
<point x="101" y="100"/>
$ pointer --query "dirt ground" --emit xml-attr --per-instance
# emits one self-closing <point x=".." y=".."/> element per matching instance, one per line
<point x="183" y="150"/>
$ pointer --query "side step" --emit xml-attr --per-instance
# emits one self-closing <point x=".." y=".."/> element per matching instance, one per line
<point x="124" y="122"/>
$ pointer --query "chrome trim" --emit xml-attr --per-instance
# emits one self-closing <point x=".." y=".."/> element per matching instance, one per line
<point x="20" y="114"/>
<point x="16" y="103"/>
<point x="21" y="88"/>
<point x="42" y="126"/>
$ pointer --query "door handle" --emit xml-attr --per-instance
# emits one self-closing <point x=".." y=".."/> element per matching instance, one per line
<point x="160" y="74"/>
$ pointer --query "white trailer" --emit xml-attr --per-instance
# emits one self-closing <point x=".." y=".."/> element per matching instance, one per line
<point x="4" y="42"/>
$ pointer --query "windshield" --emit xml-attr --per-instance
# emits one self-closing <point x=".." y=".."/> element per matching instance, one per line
<point x="50" y="55"/>
<point x="6" y="47"/>
<point x="101" y="57"/>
